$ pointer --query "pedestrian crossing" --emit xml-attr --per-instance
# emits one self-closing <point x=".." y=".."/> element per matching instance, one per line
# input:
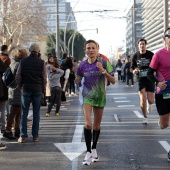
<point x="117" y="100"/>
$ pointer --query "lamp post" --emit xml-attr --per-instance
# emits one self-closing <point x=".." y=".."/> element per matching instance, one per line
<point x="65" y="30"/>
<point x="57" y="32"/>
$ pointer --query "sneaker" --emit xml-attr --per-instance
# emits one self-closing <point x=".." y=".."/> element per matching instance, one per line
<point x="9" y="135"/>
<point x="2" y="146"/>
<point x="21" y="140"/>
<point x="69" y="95"/>
<point x="87" y="159"/>
<point x="145" y="121"/>
<point x="169" y="156"/>
<point x="149" y="108"/>
<point x="95" y="158"/>
<point x="57" y="114"/>
<point x="47" y="114"/>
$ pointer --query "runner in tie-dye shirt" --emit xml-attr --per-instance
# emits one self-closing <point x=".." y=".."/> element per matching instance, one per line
<point x="94" y="70"/>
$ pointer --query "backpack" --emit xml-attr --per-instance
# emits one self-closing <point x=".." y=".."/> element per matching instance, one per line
<point x="8" y="77"/>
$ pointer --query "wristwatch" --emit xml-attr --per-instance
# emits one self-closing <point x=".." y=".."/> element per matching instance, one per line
<point x="104" y="71"/>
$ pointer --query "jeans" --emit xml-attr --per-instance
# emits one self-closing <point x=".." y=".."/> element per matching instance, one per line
<point x="26" y="98"/>
<point x="128" y="77"/>
<point x="72" y="86"/>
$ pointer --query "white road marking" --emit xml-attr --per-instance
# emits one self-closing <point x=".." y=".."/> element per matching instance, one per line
<point x="139" y="115"/>
<point x="76" y="147"/>
<point x="120" y="94"/>
<point x="120" y="98"/>
<point x="122" y="101"/>
<point x="165" y="145"/>
<point x="116" y="118"/>
<point x="126" y="106"/>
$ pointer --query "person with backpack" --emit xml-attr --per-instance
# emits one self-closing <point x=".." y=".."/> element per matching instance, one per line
<point x="4" y="99"/>
<point x="14" y="98"/>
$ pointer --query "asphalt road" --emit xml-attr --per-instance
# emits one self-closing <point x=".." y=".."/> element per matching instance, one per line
<point x="124" y="143"/>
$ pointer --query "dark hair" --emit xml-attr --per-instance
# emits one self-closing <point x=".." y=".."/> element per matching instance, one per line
<point x="74" y="59"/>
<point x="142" y="39"/>
<point x="166" y="30"/>
<point x="4" y="47"/>
<point x="67" y="63"/>
<point x="90" y="41"/>
<point x="56" y="63"/>
<point x="64" y="55"/>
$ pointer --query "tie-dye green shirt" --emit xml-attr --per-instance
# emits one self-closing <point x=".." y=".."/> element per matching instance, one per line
<point x="94" y="82"/>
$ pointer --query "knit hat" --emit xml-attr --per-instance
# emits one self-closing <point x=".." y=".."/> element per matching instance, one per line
<point x="34" y="48"/>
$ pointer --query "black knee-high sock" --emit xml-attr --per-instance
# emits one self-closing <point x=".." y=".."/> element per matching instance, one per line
<point x="88" y="137"/>
<point x="95" y="138"/>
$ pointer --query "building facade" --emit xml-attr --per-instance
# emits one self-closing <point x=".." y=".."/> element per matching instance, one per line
<point x="155" y="20"/>
<point x="134" y="27"/>
<point x="66" y="16"/>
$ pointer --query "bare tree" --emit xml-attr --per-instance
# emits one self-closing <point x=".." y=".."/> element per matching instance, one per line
<point x="22" y="22"/>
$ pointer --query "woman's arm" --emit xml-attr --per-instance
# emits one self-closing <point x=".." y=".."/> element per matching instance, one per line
<point x="109" y="77"/>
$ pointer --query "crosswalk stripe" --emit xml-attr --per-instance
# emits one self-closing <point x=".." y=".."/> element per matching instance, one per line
<point x="165" y="145"/>
<point x="138" y="114"/>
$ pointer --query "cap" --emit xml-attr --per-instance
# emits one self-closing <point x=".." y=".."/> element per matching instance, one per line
<point x="34" y="47"/>
<point x="167" y="35"/>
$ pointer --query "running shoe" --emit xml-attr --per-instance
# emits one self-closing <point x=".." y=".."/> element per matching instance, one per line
<point x="149" y="108"/>
<point x="145" y="121"/>
<point x="95" y="158"/>
<point x="87" y="159"/>
<point x="169" y="156"/>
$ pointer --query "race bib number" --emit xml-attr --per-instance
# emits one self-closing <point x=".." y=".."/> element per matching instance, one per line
<point x="166" y="96"/>
<point x="143" y="73"/>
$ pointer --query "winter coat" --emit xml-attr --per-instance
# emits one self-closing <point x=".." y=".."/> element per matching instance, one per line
<point x="3" y="67"/>
<point x="3" y="89"/>
<point x="14" y="93"/>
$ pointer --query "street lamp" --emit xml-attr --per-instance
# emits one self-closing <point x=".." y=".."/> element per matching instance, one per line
<point x="57" y="32"/>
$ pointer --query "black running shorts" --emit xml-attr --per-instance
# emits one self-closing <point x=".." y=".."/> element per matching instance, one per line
<point x="147" y="84"/>
<point x="162" y="105"/>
